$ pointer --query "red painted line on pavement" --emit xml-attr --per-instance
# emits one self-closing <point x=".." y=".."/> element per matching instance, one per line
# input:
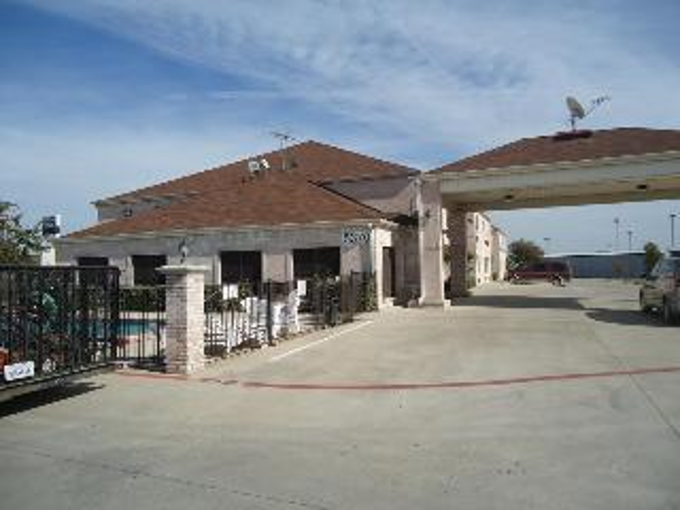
<point x="455" y="384"/>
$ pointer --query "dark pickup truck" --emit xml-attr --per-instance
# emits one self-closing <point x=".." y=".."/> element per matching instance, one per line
<point x="550" y="271"/>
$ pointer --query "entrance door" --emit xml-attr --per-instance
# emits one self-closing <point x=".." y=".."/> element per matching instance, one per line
<point x="388" y="272"/>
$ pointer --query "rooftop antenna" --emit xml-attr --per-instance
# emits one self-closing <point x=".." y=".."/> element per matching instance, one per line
<point x="284" y="141"/>
<point x="577" y="111"/>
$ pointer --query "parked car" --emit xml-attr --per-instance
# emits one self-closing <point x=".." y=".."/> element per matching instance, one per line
<point x="661" y="289"/>
<point x="551" y="271"/>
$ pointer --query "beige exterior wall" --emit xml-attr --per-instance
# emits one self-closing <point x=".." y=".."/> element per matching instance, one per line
<point x="480" y="240"/>
<point x="499" y="254"/>
<point x="276" y="245"/>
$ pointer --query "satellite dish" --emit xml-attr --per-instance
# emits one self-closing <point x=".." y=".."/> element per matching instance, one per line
<point x="576" y="110"/>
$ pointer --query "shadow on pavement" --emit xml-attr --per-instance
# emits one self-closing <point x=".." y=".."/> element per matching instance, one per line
<point x="520" y="302"/>
<point x="625" y="317"/>
<point x="39" y="398"/>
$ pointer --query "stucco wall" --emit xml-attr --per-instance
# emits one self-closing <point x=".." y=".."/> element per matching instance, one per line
<point x="277" y="246"/>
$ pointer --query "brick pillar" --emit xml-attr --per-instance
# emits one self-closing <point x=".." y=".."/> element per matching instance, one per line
<point x="184" y="352"/>
<point x="430" y="245"/>
<point x="457" y="231"/>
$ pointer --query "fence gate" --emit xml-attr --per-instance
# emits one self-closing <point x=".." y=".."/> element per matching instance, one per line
<point x="55" y="322"/>
<point x="59" y="321"/>
<point x="140" y="339"/>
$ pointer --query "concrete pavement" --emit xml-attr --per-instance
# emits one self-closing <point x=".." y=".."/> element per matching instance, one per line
<point x="318" y="423"/>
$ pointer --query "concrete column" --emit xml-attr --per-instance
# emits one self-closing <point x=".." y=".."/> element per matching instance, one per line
<point x="457" y="232"/>
<point x="430" y="245"/>
<point x="184" y="352"/>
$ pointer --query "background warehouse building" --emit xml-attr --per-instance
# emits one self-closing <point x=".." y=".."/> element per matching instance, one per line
<point x="604" y="265"/>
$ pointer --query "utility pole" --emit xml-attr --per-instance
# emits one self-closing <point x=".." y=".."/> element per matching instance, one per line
<point x="547" y="245"/>
<point x="672" y="217"/>
<point x="630" y="240"/>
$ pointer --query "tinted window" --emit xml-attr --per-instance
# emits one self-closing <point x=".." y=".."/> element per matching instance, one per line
<point x="145" y="267"/>
<point x="241" y="266"/>
<point x="93" y="261"/>
<point x="316" y="262"/>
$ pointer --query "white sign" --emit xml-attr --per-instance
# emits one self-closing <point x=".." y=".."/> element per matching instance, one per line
<point x="301" y="287"/>
<point x="351" y="237"/>
<point x="19" y="371"/>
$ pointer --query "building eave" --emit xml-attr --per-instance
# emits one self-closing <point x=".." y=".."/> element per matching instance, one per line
<point x="653" y="157"/>
<point x="180" y="233"/>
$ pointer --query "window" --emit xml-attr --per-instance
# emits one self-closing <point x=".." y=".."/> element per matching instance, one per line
<point x="241" y="266"/>
<point x="93" y="261"/>
<point x="316" y="262"/>
<point x="145" y="269"/>
<point x="92" y="277"/>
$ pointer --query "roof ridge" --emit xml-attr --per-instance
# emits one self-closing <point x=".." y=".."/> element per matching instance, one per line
<point x="361" y="154"/>
<point x="232" y="169"/>
<point x="602" y="143"/>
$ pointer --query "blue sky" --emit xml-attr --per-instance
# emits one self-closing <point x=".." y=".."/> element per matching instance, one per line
<point x="103" y="96"/>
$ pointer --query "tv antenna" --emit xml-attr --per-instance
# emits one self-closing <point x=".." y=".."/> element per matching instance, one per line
<point x="285" y="139"/>
<point x="577" y="111"/>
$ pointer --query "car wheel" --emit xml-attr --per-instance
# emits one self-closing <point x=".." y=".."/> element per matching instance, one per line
<point x="668" y="315"/>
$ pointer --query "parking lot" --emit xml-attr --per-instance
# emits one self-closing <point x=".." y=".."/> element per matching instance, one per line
<point x="526" y="396"/>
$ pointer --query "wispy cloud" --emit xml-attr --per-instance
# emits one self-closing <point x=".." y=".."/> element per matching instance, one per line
<point x="453" y="73"/>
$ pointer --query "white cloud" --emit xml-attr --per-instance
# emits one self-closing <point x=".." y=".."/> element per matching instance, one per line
<point x="421" y="82"/>
<point x="61" y="172"/>
<point x="454" y="73"/>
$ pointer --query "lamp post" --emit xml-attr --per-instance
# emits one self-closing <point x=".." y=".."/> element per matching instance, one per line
<point x="547" y="244"/>
<point x="672" y="217"/>
<point x="629" y="255"/>
<point x="617" y="221"/>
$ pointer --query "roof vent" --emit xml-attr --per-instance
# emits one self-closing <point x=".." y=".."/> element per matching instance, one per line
<point x="563" y="136"/>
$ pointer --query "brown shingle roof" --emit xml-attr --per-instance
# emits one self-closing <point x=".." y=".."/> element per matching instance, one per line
<point x="314" y="161"/>
<point x="273" y="199"/>
<point x="566" y="148"/>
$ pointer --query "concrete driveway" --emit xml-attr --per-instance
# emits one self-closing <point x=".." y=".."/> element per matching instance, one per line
<point x="521" y="397"/>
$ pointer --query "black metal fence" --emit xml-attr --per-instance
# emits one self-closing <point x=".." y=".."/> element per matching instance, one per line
<point x="55" y="321"/>
<point x="140" y="339"/>
<point x="59" y="321"/>
<point x="250" y="315"/>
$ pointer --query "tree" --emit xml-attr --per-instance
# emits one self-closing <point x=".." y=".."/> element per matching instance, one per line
<point x="523" y="252"/>
<point x="652" y="255"/>
<point x="18" y="244"/>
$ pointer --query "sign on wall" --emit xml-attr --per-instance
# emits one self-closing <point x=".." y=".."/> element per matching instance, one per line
<point x="351" y="237"/>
